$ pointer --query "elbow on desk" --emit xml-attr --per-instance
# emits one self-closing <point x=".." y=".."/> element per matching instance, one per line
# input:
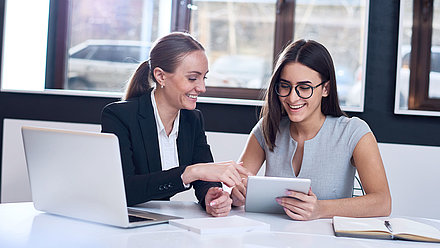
<point x="385" y="206"/>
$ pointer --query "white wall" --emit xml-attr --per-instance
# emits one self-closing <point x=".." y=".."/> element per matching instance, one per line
<point x="412" y="171"/>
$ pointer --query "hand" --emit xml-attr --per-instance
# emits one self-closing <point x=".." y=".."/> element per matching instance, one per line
<point x="300" y="206"/>
<point x="218" y="202"/>
<point x="226" y="172"/>
<point x="238" y="193"/>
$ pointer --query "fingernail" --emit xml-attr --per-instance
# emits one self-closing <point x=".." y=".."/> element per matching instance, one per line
<point x="288" y="192"/>
<point x="278" y="200"/>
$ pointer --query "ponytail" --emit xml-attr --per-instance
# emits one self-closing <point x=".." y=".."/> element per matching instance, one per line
<point x="139" y="83"/>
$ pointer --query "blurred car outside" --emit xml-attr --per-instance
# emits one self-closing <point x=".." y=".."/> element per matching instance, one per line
<point x="104" y="65"/>
<point x="241" y="71"/>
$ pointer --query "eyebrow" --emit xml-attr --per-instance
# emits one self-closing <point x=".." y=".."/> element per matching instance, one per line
<point x="196" y="72"/>
<point x="300" y="82"/>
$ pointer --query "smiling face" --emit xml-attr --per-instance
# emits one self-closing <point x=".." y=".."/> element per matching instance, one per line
<point x="297" y="108"/>
<point x="183" y="86"/>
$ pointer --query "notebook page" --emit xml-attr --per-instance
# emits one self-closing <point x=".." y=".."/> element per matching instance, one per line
<point x="406" y="226"/>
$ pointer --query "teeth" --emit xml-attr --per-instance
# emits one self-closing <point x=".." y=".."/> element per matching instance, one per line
<point x="192" y="96"/>
<point x="296" y="106"/>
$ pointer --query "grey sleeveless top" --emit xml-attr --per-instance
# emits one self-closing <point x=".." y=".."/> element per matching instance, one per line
<point x="326" y="158"/>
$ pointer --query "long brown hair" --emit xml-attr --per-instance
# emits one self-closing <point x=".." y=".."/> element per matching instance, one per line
<point x="313" y="55"/>
<point x="166" y="53"/>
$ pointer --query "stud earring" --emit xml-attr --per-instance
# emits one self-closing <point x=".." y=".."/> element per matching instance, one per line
<point x="161" y="86"/>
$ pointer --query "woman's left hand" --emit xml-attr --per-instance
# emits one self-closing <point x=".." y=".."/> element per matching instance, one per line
<point x="218" y="203"/>
<point x="300" y="206"/>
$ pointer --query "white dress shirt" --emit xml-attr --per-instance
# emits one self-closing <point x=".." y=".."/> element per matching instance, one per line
<point x="167" y="144"/>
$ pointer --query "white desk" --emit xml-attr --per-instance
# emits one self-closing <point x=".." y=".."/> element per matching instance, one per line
<point x="23" y="226"/>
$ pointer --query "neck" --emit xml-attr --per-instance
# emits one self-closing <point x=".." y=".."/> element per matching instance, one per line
<point x="166" y="112"/>
<point x="307" y="129"/>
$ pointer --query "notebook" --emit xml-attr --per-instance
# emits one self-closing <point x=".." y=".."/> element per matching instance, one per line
<point x="221" y="225"/>
<point x="79" y="174"/>
<point x="385" y="228"/>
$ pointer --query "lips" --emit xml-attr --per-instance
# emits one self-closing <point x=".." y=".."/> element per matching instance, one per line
<point x="192" y="96"/>
<point x="295" y="107"/>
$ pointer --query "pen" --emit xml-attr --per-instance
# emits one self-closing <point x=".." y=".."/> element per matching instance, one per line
<point x="388" y="225"/>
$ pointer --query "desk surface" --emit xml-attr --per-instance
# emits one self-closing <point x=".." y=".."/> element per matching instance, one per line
<point x="23" y="226"/>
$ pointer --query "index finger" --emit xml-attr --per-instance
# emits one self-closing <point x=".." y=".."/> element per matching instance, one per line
<point x="296" y="194"/>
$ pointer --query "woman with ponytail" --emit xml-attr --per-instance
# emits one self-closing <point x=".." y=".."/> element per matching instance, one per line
<point x="161" y="135"/>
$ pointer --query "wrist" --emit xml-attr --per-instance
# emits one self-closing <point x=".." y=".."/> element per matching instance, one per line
<point x="323" y="209"/>
<point x="187" y="175"/>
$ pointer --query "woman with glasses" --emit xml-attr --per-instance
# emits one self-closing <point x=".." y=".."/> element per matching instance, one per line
<point x="304" y="133"/>
<point x="161" y="134"/>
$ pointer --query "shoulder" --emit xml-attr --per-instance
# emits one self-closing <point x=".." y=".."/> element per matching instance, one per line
<point x="126" y="107"/>
<point x="122" y="105"/>
<point x="347" y="123"/>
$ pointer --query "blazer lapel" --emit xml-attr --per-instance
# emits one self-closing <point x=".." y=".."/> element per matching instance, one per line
<point x="184" y="141"/>
<point x="148" y="127"/>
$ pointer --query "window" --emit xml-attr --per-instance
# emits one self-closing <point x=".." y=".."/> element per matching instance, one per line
<point x="418" y="72"/>
<point x="239" y="40"/>
<point x="242" y="41"/>
<point x="108" y="39"/>
<point x="97" y="45"/>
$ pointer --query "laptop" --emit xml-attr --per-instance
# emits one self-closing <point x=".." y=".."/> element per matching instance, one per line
<point x="79" y="174"/>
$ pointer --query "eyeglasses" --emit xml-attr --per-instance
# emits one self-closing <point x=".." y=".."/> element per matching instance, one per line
<point x="303" y="89"/>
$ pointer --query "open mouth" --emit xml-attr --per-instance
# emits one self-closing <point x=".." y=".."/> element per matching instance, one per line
<point x="295" y="107"/>
<point x="192" y="96"/>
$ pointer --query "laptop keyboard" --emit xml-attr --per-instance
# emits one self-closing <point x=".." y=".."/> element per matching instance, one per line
<point x="133" y="218"/>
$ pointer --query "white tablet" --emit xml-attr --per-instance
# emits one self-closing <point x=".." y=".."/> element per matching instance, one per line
<point x="262" y="192"/>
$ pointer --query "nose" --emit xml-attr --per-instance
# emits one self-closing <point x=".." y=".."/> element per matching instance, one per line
<point x="293" y="96"/>
<point x="200" y="87"/>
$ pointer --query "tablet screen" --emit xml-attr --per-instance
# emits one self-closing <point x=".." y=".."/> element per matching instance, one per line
<point x="262" y="192"/>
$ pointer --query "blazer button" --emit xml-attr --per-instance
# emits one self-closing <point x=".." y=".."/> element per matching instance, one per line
<point x="160" y="187"/>
<point x="170" y="185"/>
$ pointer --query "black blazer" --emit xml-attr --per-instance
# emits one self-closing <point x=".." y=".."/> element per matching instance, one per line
<point x="134" y="123"/>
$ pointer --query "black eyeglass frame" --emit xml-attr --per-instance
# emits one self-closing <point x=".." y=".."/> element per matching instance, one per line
<point x="301" y="84"/>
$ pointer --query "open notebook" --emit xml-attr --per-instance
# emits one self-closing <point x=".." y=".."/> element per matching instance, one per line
<point x="394" y="228"/>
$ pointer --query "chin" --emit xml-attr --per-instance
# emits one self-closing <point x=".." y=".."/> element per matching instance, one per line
<point x="189" y="106"/>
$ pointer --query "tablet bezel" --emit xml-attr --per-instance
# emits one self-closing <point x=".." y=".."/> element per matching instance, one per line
<point x="262" y="191"/>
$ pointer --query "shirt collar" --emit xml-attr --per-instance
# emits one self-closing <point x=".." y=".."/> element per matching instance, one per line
<point x="159" y="124"/>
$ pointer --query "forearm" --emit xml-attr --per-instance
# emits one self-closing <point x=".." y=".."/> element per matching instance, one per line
<point x="370" y="205"/>
<point x="153" y="186"/>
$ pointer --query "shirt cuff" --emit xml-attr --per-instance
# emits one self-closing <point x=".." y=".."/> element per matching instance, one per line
<point x="187" y="186"/>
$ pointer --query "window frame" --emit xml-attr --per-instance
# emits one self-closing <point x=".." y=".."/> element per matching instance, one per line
<point x="60" y="12"/>
<point x="420" y="62"/>
<point x="284" y="30"/>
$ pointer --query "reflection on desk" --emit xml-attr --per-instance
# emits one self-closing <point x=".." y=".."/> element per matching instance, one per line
<point x="23" y="226"/>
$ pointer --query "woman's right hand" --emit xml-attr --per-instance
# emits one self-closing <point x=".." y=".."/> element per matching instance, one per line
<point x="238" y="194"/>
<point x="229" y="172"/>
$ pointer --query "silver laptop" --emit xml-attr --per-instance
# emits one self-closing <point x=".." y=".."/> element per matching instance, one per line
<point x="79" y="175"/>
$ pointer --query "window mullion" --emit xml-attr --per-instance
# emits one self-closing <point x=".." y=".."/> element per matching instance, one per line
<point x="284" y="25"/>
<point x="420" y="55"/>
<point x="180" y="15"/>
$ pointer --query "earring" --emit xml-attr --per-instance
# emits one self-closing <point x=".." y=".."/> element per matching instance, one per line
<point x="161" y="86"/>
